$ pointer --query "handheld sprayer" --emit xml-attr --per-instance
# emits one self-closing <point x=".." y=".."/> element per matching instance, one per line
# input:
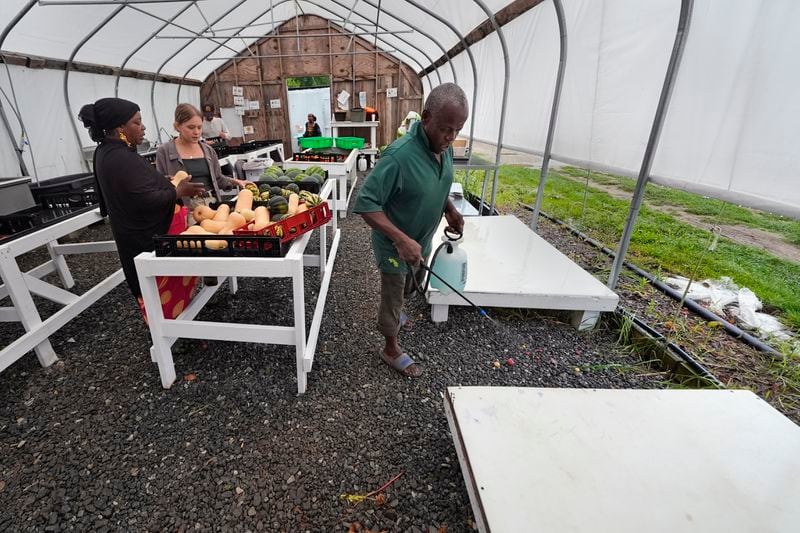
<point x="450" y="273"/>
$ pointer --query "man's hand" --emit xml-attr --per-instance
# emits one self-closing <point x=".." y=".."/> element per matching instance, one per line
<point x="409" y="250"/>
<point x="454" y="218"/>
<point x="223" y="135"/>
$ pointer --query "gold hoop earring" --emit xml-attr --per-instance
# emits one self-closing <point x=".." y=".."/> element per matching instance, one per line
<point x="124" y="139"/>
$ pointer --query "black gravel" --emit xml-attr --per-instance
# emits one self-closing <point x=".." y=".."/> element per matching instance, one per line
<point x="95" y="443"/>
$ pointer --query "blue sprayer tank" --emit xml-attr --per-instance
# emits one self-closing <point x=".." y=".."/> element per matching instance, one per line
<point x="450" y="263"/>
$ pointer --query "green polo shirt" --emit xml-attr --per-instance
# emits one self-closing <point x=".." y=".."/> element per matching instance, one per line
<point x="411" y="188"/>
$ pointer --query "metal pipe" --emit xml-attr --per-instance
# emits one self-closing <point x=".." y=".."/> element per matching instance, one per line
<point x="195" y="35"/>
<point x="135" y="50"/>
<point x="419" y="30"/>
<point x="474" y="70"/>
<point x="504" y="104"/>
<point x="655" y="134"/>
<point x="326" y="54"/>
<point x="121" y="3"/>
<point x="286" y="36"/>
<point x="66" y="79"/>
<point x="11" y="136"/>
<point x="271" y="11"/>
<point x="182" y="48"/>
<point x="18" y="148"/>
<point x="551" y="128"/>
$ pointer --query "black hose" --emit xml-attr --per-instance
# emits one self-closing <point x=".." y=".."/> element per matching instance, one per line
<point x="693" y="306"/>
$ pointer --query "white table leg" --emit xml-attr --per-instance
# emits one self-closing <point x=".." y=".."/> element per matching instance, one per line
<point x="584" y="320"/>
<point x="61" y="266"/>
<point x="233" y="284"/>
<point x="299" y="324"/>
<point x="341" y="199"/>
<point x="155" y="320"/>
<point x="24" y="305"/>
<point x="439" y="312"/>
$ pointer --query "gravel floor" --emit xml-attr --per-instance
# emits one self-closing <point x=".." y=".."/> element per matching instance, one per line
<point x="95" y="443"/>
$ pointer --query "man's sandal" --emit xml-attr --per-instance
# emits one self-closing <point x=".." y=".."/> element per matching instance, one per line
<point x="402" y="364"/>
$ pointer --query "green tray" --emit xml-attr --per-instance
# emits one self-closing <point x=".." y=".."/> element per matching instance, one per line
<point x="348" y="143"/>
<point x="315" y="142"/>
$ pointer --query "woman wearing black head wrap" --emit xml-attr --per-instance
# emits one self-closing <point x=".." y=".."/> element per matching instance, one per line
<point x="138" y="200"/>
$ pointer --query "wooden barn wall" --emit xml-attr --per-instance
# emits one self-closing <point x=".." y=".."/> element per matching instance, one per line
<point x="264" y="79"/>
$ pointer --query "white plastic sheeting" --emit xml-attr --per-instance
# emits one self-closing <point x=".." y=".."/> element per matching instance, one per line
<point x="47" y="119"/>
<point x="730" y="130"/>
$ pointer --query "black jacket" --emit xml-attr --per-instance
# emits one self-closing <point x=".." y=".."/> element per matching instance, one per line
<point x="138" y="200"/>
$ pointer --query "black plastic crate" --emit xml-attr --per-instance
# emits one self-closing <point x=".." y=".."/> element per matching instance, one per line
<point x="73" y="183"/>
<point x="69" y="200"/>
<point x="238" y="246"/>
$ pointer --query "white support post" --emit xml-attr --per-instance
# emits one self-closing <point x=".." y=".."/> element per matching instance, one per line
<point x="162" y="349"/>
<point x="233" y="284"/>
<point x="439" y="312"/>
<point x="24" y="305"/>
<point x="61" y="265"/>
<point x="298" y="290"/>
<point x="584" y="320"/>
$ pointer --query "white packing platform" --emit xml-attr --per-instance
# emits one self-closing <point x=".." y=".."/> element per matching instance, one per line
<point x="21" y="286"/>
<point x="625" y="461"/>
<point x="373" y="132"/>
<point x="509" y="265"/>
<point x="344" y="173"/>
<point x="165" y="332"/>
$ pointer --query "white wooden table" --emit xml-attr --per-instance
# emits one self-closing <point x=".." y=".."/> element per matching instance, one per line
<point x="165" y="332"/>
<point x="509" y="265"/>
<point x="344" y="173"/>
<point x="251" y="155"/>
<point x="625" y="461"/>
<point x="20" y="286"/>
<point x="373" y="132"/>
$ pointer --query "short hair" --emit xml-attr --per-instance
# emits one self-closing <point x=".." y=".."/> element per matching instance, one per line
<point x="446" y="93"/>
<point x="186" y="112"/>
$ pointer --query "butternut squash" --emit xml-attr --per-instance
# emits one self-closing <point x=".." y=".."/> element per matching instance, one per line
<point x="222" y="213"/>
<point x="261" y="219"/>
<point x="294" y="201"/>
<point x="195" y="230"/>
<point x="302" y="207"/>
<point x="202" y="212"/>
<point x="235" y="221"/>
<point x="244" y="201"/>
<point x="214" y="226"/>
<point x="248" y="214"/>
<point x="179" y="177"/>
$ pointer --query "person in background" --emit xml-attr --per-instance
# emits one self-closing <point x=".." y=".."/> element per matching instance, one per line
<point x="409" y="121"/>
<point x="139" y="201"/>
<point x="403" y="200"/>
<point x="213" y="127"/>
<point x="196" y="158"/>
<point x="312" y="128"/>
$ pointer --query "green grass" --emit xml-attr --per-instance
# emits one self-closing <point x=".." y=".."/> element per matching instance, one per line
<point x="699" y="205"/>
<point x="660" y="241"/>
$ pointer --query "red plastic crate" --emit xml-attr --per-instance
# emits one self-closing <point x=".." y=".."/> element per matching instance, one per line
<point x="294" y="226"/>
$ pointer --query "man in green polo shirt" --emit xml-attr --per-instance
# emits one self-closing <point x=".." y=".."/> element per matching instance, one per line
<point x="403" y="200"/>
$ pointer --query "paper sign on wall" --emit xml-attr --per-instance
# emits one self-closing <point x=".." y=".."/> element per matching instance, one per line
<point x="237" y="91"/>
<point x="362" y="99"/>
<point x="253" y="104"/>
<point x="391" y="92"/>
<point x="248" y="130"/>
<point x="238" y="100"/>
<point x="275" y="104"/>
<point x="239" y="110"/>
